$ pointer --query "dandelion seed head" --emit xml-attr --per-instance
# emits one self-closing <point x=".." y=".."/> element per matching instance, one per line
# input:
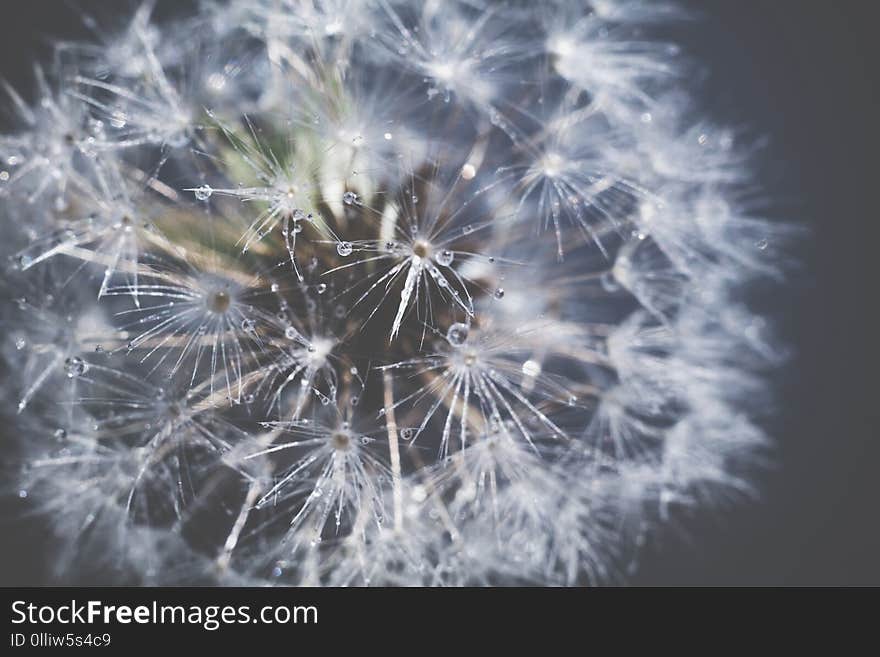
<point x="350" y="292"/>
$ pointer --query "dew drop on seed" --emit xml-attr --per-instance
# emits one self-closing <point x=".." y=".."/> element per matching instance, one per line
<point x="445" y="258"/>
<point x="499" y="293"/>
<point x="572" y="400"/>
<point x="247" y="325"/>
<point x="762" y="244"/>
<point x="344" y="248"/>
<point x="350" y="198"/>
<point x="407" y="434"/>
<point x="22" y="493"/>
<point x="468" y="171"/>
<point x="322" y="287"/>
<point x="203" y="193"/>
<point x="20" y="343"/>
<point x="75" y="367"/>
<point x="457" y="334"/>
<point x="275" y="287"/>
<point x="387" y="136"/>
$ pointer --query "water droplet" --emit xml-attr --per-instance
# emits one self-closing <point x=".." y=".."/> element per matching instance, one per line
<point x="531" y="368"/>
<point x="322" y="287"/>
<point x="275" y="287"/>
<point x="762" y="244"/>
<point x="203" y="193"/>
<point x="355" y="400"/>
<point x="445" y="258"/>
<point x="387" y="136"/>
<point x="407" y="434"/>
<point x="499" y="293"/>
<point x="468" y="171"/>
<point x="572" y="400"/>
<point x="118" y="119"/>
<point x="75" y="367"/>
<point x="60" y="434"/>
<point x="247" y="325"/>
<point x="4" y="176"/>
<point x="277" y="572"/>
<point x="457" y="334"/>
<point x="344" y="248"/>
<point x="20" y="343"/>
<point x="22" y="493"/>
<point x="350" y="198"/>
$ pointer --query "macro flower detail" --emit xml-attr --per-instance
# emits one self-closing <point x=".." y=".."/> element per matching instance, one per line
<point x="380" y="292"/>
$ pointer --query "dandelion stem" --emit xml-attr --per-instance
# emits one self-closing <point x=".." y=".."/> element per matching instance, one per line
<point x="253" y="493"/>
<point x="394" y="450"/>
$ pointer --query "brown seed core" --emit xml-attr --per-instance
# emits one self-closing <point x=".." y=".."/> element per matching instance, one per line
<point x="422" y="249"/>
<point x="340" y="441"/>
<point x="218" y="302"/>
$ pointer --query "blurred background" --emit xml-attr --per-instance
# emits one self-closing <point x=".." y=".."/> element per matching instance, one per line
<point x="803" y="73"/>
